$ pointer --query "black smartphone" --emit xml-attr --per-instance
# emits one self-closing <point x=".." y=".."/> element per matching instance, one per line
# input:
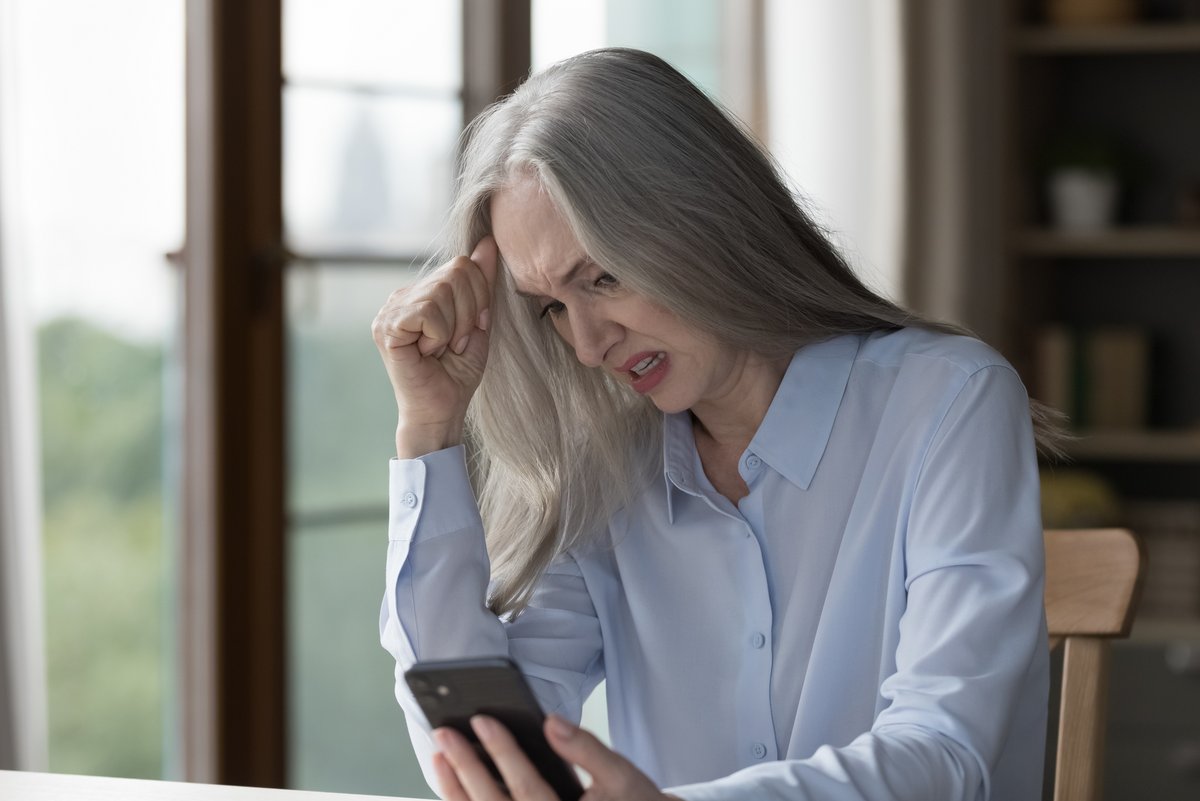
<point x="451" y="691"/>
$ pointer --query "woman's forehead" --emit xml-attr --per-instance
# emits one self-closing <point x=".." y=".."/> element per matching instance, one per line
<point x="536" y="243"/>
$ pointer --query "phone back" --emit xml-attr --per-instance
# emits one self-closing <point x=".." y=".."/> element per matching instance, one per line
<point x="450" y="692"/>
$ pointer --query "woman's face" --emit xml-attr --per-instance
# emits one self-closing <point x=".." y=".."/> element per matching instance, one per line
<point x="610" y="327"/>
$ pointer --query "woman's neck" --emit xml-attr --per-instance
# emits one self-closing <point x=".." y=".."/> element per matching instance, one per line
<point x="730" y="418"/>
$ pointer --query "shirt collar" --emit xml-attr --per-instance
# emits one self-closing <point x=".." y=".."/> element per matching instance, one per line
<point x="793" y="436"/>
<point x="795" y="432"/>
<point x="679" y="458"/>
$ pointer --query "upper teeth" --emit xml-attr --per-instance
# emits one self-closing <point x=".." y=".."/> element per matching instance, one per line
<point x="648" y="363"/>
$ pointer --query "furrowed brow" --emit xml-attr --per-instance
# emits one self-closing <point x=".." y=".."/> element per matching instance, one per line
<point x="570" y="276"/>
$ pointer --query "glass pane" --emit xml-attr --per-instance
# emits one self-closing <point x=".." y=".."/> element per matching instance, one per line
<point x="372" y="113"/>
<point x="366" y="172"/>
<point x="342" y="416"/>
<point x="687" y="33"/>
<point x="409" y="43"/>
<point x="347" y="732"/>
<point x="94" y="160"/>
<point x="561" y="29"/>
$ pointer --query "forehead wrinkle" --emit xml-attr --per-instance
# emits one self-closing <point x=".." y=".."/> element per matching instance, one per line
<point x="571" y="275"/>
<point x="526" y="293"/>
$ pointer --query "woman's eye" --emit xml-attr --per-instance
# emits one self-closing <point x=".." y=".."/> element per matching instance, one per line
<point x="606" y="280"/>
<point x="553" y="309"/>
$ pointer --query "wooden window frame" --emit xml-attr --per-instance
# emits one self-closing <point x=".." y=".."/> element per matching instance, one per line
<point x="497" y="50"/>
<point x="232" y="648"/>
<point x="233" y="579"/>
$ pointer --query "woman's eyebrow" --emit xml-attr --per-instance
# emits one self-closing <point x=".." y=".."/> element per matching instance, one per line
<point x="568" y="278"/>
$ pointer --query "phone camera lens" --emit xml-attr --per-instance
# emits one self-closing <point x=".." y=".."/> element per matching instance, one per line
<point x="443" y="690"/>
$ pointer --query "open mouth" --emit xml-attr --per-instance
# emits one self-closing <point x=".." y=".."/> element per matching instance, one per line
<point x="646" y="370"/>
<point x="647" y="364"/>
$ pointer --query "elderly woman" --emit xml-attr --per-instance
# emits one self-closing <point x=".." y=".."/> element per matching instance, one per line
<point x="795" y="527"/>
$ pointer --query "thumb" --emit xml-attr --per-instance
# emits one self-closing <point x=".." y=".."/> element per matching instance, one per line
<point x="477" y="347"/>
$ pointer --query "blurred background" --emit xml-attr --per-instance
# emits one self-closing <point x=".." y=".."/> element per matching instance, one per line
<point x="203" y="203"/>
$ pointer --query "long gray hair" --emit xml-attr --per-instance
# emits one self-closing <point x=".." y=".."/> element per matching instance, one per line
<point x="675" y="201"/>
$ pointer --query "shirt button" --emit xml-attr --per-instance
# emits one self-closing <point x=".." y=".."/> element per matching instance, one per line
<point x="759" y="750"/>
<point x="408" y="499"/>
<point x="758" y="640"/>
<point x="753" y="462"/>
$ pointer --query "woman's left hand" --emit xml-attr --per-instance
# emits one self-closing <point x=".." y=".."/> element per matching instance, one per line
<point x="464" y="778"/>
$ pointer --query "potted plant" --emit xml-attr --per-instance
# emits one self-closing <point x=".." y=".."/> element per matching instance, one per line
<point x="1083" y="174"/>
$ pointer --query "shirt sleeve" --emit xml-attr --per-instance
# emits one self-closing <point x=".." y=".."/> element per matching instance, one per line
<point x="435" y="597"/>
<point x="972" y="636"/>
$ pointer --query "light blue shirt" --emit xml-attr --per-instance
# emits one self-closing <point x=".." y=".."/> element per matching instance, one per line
<point x="867" y="623"/>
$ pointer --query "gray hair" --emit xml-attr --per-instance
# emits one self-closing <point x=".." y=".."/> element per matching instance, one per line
<point x="681" y="206"/>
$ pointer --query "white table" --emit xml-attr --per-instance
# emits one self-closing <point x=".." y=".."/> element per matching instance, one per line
<point x="21" y="786"/>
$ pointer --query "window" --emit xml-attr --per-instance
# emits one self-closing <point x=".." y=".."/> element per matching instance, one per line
<point x="372" y="112"/>
<point x="93" y="127"/>
<point x="687" y="33"/>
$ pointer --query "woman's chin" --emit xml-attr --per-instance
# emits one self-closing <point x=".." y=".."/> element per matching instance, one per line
<point x="667" y="404"/>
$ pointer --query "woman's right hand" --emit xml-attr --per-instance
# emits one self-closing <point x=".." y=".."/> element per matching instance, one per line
<point x="434" y="342"/>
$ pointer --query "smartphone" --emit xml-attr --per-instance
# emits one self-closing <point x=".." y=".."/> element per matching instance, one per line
<point x="451" y="691"/>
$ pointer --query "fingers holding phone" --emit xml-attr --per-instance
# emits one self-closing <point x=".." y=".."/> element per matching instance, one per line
<point x="462" y="776"/>
<point x="454" y="693"/>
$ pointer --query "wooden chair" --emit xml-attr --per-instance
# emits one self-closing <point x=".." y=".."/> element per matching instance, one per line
<point x="1093" y="578"/>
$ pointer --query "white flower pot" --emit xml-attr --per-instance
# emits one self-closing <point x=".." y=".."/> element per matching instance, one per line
<point x="1082" y="199"/>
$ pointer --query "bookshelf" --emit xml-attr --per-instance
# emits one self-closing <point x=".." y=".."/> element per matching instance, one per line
<point x="1151" y="631"/>
<point x="1147" y="241"/>
<point x="1135" y="85"/>
<point x="1132" y="38"/>
<point x="1157" y="447"/>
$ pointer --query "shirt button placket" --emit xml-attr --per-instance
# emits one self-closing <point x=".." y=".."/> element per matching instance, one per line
<point x="409" y="499"/>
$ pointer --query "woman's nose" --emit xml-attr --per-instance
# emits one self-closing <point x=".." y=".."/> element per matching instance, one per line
<point x="592" y="337"/>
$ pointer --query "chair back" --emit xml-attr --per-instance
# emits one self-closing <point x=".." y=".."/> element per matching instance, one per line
<point x="1093" y="579"/>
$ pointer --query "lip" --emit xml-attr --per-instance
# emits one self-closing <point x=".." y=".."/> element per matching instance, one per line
<point x="652" y="379"/>
<point x="632" y="361"/>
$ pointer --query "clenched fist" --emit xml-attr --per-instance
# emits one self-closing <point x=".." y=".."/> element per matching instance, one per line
<point x="433" y="337"/>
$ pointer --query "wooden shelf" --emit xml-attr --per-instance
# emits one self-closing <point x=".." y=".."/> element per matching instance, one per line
<point x="1137" y="446"/>
<point x="1158" y="241"/>
<point x="1162" y="38"/>
<point x="1164" y="631"/>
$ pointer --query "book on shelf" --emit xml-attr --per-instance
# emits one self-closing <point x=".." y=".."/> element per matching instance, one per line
<point x="1100" y="376"/>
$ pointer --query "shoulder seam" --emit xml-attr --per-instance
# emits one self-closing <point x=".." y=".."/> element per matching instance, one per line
<point x="946" y="412"/>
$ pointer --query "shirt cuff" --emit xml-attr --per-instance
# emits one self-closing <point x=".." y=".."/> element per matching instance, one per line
<point x="430" y="495"/>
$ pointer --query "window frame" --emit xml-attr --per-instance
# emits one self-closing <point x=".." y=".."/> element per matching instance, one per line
<point x="232" y="581"/>
<point x="233" y="578"/>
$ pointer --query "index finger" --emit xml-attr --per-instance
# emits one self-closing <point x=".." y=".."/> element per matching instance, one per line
<point x="522" y="779"/>
<point x="472" y="775"/>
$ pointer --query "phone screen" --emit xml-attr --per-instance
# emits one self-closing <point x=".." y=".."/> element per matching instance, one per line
<point x="451" y="692"/>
